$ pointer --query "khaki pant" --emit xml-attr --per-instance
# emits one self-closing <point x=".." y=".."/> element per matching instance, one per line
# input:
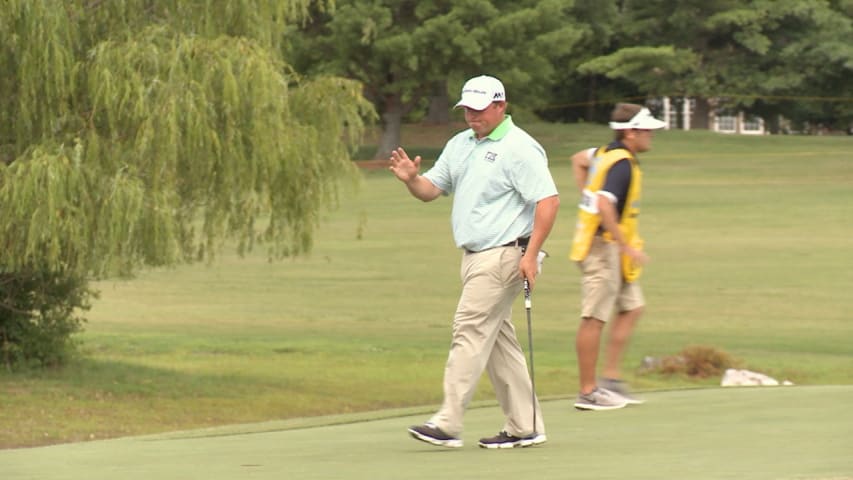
<point x="484" y="339"/>
<point x="602" y="286"/>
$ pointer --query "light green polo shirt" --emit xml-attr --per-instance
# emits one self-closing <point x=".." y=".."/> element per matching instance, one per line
<point x="496" y="183"/>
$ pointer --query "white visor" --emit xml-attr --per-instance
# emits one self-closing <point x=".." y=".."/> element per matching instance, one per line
<point x="643" y="120"/>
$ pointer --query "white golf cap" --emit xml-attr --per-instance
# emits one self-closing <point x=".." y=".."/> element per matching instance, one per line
<point x="479" y="92"/>
<point x="643" y="120"/>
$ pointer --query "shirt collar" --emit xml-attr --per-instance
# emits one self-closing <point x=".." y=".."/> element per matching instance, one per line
<point x="501" y="130"/>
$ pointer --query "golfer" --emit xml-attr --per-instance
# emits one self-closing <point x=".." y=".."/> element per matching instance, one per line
<point x="609" y="252"/>
<point x="504" y="205"/>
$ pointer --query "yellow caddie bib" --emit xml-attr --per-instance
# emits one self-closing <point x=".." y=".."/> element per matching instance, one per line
<point x="589" y="218"/>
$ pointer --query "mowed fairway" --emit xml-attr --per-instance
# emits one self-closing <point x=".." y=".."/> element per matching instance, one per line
<point x="750" y="240"/>
<point x="750" y="433"/>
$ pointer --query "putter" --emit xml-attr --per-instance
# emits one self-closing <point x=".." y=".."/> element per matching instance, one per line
<point x="527" y="306"/>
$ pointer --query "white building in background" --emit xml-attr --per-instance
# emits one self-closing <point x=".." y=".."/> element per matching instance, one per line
<point x="681" y="112"/>
<point x="739" y="124"/>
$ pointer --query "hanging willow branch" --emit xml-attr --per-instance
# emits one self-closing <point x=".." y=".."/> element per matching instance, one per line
<point x="150" y="132"/>
<point x="154" y="146"/>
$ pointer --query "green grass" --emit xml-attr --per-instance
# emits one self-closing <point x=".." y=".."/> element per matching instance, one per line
<point x="782" y="433"/>
<point x="750" y="245"/>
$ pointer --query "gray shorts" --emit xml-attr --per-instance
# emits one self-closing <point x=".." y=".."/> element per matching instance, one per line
<point x="602" y="286"/>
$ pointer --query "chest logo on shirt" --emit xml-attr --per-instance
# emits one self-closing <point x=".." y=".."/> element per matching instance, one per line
<point x="491" y="157"/>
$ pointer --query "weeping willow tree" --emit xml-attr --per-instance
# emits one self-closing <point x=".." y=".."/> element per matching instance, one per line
<point x="148" y="133"/>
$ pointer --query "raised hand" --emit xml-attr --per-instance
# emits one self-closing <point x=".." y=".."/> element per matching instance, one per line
<point x="402" y="166"/>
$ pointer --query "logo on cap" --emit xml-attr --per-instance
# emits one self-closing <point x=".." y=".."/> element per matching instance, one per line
<point x="479" y="92"/>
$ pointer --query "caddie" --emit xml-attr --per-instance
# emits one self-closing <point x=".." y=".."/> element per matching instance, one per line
<point x="609" y="252"/>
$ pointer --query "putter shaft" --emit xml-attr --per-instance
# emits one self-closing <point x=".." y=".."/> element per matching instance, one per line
<point x="527" y="305"/>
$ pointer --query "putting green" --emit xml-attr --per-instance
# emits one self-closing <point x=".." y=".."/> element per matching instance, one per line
<point x="726" y="433"/>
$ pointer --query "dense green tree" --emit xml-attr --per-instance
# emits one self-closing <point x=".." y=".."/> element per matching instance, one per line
<point x="732" y="51"/>
<point x="149" y="132"/>
<point x="407" y="52"/>
<point x="576" y="95"/>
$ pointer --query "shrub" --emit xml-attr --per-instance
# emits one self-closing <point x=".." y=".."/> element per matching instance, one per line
<point x="698" y="361"/>
<point x="38" y="316"/>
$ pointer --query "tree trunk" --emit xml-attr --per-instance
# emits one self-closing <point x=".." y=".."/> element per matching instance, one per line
<point x="592" y="91"/>
<point x="701" y="117"/>
<point x="439" y="106"/>
<point x="392" y="119"/>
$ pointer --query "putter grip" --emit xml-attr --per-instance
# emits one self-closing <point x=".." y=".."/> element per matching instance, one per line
<point x="527" y="302"/>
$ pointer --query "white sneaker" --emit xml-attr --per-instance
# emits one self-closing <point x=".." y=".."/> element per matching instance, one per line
<point x="600" y="399"/>
<point x="620" y="387"/>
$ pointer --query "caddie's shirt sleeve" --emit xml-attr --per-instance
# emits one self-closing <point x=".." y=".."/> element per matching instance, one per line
<point x="617" y="183"/>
